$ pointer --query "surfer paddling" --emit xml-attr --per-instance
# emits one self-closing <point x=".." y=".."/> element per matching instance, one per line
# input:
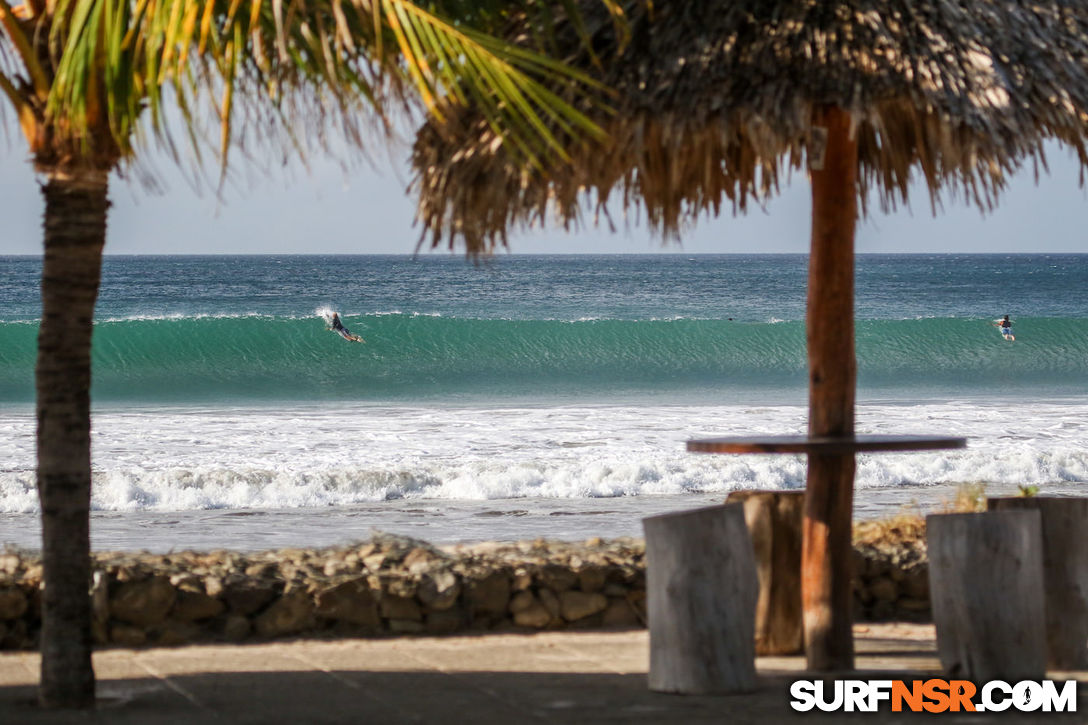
<point x="338" y="327"/>
<point x="1006" y="328"/>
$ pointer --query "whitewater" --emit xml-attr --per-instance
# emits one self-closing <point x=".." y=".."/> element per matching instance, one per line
<point x="540" y="396"/>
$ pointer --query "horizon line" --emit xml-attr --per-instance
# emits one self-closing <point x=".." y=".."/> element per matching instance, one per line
<point x="500" y="254"/>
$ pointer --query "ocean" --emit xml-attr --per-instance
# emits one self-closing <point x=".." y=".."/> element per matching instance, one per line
<point x="529" y="396"/>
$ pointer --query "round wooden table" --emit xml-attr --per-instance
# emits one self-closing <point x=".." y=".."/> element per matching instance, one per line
<point x="825" y="445"/>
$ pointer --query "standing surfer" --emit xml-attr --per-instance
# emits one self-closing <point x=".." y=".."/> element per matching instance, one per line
<point x="1006" y="328"/>
<point x="339" y="329"/>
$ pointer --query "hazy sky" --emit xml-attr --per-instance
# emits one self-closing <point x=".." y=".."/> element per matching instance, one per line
<point x="367" y="211"/>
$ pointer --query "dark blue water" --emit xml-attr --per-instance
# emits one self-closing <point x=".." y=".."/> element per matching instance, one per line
<point x="750" y="288"/>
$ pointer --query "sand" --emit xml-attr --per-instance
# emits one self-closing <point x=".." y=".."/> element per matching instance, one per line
<point x="560" y="677"/>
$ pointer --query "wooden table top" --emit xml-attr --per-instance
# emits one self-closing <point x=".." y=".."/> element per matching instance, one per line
<point x="825" y="444"/>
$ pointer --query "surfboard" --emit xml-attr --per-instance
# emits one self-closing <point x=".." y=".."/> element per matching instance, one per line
<point x="343" y="332"/>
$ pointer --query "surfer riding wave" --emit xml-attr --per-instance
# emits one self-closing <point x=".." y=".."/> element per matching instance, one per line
<point x="1006" y="328"/>
<point x="338" y="327"/>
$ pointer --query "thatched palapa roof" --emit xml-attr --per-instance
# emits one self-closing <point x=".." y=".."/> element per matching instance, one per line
<point x="715" y="102"/>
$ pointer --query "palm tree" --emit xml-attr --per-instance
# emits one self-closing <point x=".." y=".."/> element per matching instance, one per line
<point x="89" y="82"/>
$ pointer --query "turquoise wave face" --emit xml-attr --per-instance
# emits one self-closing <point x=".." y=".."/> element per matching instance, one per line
<point x="178" y="360"/>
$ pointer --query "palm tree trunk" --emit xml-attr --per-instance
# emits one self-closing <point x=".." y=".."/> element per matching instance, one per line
<point x="75" y="232"/>
<point x="826" y="556"/>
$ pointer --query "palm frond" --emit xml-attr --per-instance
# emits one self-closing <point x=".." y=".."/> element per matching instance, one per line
<point x="497" y="70"/>
<point x="24" y="48"/>
<point x="23" y="110"/>
<point x="282" y="71"/>
<point x="343" y="52"/>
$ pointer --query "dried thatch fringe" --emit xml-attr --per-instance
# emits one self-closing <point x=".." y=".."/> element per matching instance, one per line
<point x="716" y="100"/>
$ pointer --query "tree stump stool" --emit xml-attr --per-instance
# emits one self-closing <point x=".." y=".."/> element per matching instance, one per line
<point x="986" y="590"/>
<point x="701" y="590"/>
<point x="774" y="524"/>
<point x="1065" y="574"/>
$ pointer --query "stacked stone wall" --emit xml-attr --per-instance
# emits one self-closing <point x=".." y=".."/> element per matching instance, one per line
<point x="891" y="581"/>
<point x="394" y="586"/>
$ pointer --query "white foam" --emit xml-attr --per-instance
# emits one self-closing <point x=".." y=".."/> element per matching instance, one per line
<point x="193" y="459"/>
<point x="151" y="316"/>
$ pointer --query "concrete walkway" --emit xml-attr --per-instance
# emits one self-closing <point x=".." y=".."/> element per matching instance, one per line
<point x="559" y="677"/>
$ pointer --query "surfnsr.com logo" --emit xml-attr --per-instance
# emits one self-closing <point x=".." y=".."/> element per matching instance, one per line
<point x="933" y="695"/>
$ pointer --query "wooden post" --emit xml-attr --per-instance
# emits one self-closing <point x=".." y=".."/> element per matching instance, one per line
<point x="774" y="523"/>
<point x="826" y="532"/>
<point x="1065" y="574"/>
<point x="986" y="590"/>
<point x="701" y="595"/>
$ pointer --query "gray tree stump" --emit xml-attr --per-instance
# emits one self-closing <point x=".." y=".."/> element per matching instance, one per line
<point x="701" y="592"/>
<point x="1065" y="574"/>
<point x="986" y="590"/>
<point x="774" y="523"/>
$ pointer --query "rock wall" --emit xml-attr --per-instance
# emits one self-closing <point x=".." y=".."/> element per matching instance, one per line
<point x="387" y="586"/>
<point x="393" y="586"/>
<point x="891" y="582"/>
